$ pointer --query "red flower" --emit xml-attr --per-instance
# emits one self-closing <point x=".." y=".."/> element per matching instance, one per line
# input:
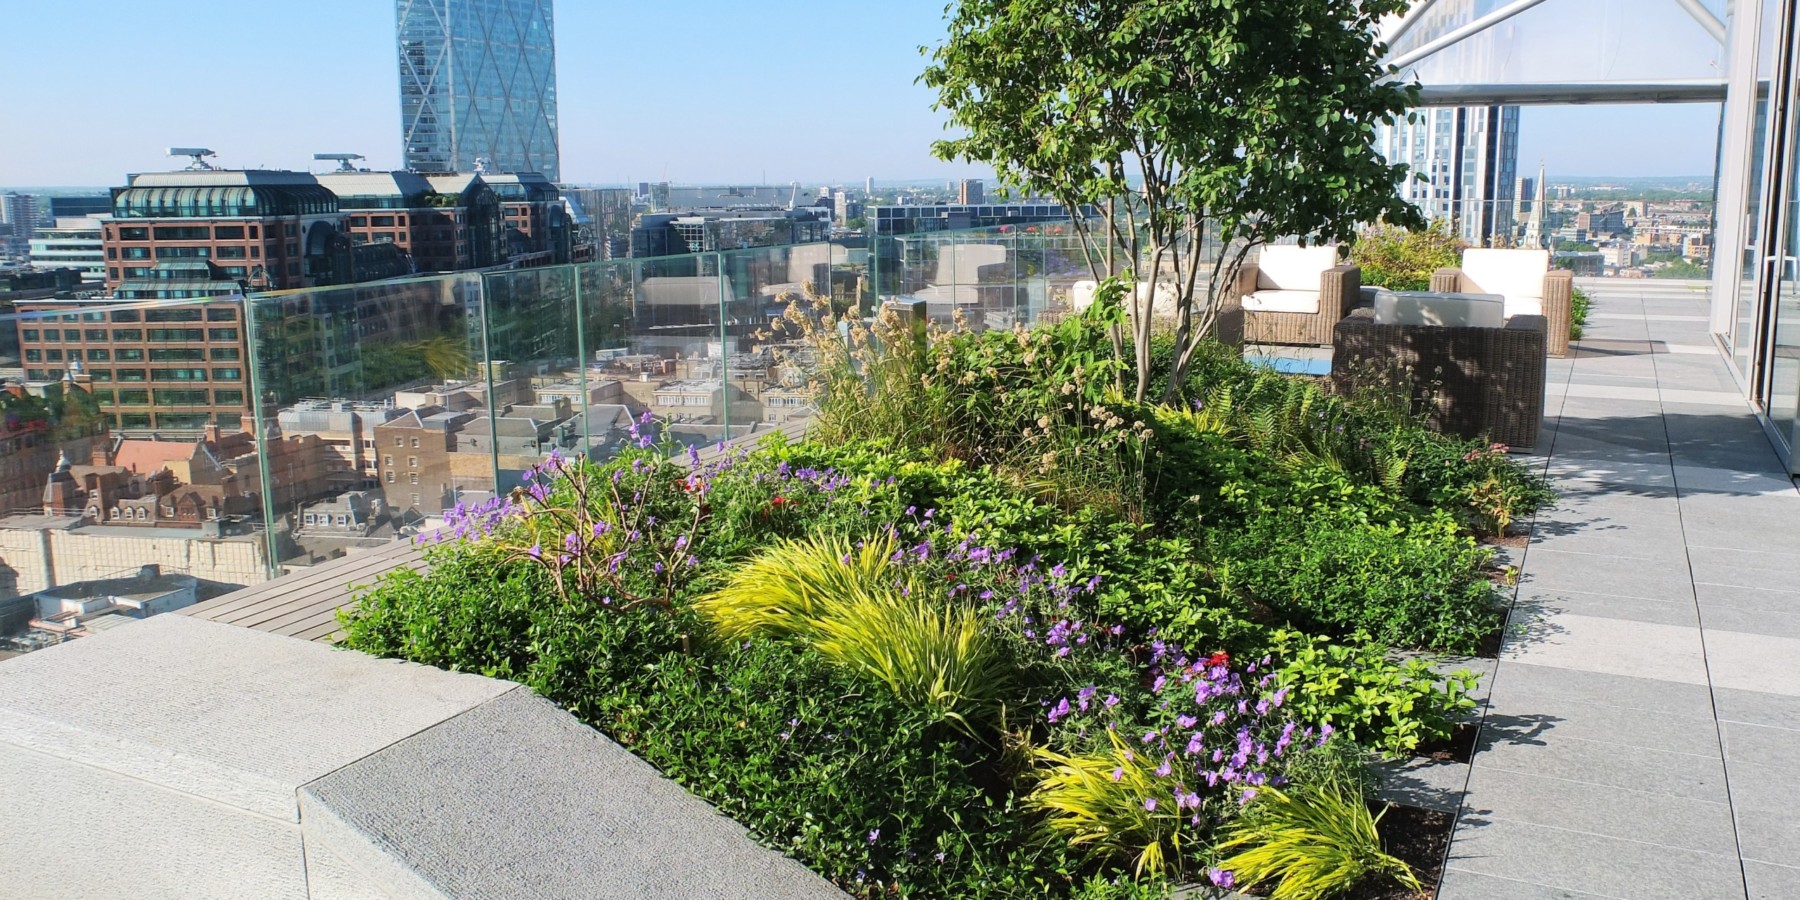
<point x="779" y="501"/>
<point x="949" y="576"/>
<point x="1219" y="659"/>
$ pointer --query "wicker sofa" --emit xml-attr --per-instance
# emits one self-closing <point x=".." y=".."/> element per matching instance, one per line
<point x="1294" y="295"/>
<point x="1472" y="381"/>
<point x="1525" y="279"/>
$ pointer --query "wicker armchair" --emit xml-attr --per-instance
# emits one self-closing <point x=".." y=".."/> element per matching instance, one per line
<point x="1525" y="279"/>
<point x="1474" y="382"/>
<point x="1293" y="295"/>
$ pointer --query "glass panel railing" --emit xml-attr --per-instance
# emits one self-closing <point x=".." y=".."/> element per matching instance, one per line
<point x="534" y="374"/>
<point x="229" y="440"/>
<point x="373" y="412"/>
<point x="1598" y="232"/>
<point x="126" y="465"/>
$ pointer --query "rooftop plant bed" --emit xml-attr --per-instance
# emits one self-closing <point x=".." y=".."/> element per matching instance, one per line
<point x="993" y="630"/>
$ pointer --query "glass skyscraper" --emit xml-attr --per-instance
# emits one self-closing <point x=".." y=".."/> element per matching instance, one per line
<point x="478" y="81"/>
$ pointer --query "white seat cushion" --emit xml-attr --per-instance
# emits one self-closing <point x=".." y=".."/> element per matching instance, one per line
<point x="1512" y="273"/>
<point x="1282" y="301"/>
<point x="1453" y="310"/>
<point x="1285" y="268"/>
<point x="1524" y="306"/>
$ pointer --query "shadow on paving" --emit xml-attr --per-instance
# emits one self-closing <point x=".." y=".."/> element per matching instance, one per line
<point x="1631" y="455"/>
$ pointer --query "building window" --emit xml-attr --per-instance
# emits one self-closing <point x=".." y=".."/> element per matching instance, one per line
<point x="28" y="334"/>
<point x="53" y="355"/>
<point x="398" y="442"/>
<point x="415" y="478"/>
<point x="112" y="272"/>
<point x="415" y="499"/>
<point x="412" y="462"/>
<point x="171" y="315"/>
<point x="221" y="334"/>
<point x="131" y="375"/>
<point x="387" y="461"/>
<point x="390" y="478"/>
<point x="182" y="398"/>
<point x="221" y="314"/>
<point x="130" y="355"/>
<point x="72" y="335"/>
<point x="228" y="374"/>
<point x="128" y="334"/>
<point x="415" y="443"/>
<point x="96" y="334"/>
<point x="99" y="356"/>
<point x="53" y="335"/>
<point x="177" y="354"/>
<point x="228" y="232"/>
<point x="125" y="315"/>
<point x="34" y="355"/>
<point x="182" y="232"/>
<point x="100" y="374"/>
<point x="224" y="354"/>
<point x="228" y="398"/>
<point x="177" y="374"/>
<point x="179" y="335"/>
<point x="134" y="398"/>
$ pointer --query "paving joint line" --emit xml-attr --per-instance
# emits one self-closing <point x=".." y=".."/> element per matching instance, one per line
<point x="1712" y="697"/>
<point x="1487" y="704"/>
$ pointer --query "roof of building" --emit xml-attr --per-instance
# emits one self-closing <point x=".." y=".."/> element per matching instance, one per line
<point x="149" y="457"/>
<point x="355" y="189"/>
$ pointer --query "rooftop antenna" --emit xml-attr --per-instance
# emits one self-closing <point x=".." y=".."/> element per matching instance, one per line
<point x="481" y="164"/>
<point x="197" y="154"/>
<point x="343" y="160"/>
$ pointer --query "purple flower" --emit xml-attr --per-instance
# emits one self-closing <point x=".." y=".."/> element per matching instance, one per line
<point x="1112" y="700"/>
<point x="1149" y="736"/>
<point x="1223" y="878"/>
<point x="874" y="835"/>
<point x="1149" y="804"/>
<point x="1118" y="773"/>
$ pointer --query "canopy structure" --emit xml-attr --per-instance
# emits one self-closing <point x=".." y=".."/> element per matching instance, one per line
<point x="1478" y="52"/>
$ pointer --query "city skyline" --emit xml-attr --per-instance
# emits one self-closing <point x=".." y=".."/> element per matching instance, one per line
<point x="838" y="103"/>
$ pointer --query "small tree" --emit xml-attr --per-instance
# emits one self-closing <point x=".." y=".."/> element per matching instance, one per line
<point x="1165" y="115"/>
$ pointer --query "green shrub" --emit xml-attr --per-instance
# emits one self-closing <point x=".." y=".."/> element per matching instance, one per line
<point x="1366" y="697"/>
<point x="1402" y="260"/>
<point x="1477" y="482"/>
<point x="1579" y="304"/>
<point x="1314" y="840"/>
<point x="1415" y="585"/>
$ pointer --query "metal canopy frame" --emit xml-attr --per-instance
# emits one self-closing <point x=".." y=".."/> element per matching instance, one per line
<point x="1672" y="90"/>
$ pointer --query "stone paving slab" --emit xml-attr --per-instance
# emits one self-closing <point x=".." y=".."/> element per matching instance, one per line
<point x="1642" y="737"/>
<point x="277" y="715"/>
<point x="70" y="830"/>
<point x="181" y="757"/>
<point x="539" y="790"/>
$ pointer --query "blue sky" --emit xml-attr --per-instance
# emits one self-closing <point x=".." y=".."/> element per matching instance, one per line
<point x="705" y="90"/>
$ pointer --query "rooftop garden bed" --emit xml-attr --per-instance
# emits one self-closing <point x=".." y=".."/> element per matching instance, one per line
<point x="994" y="629"/>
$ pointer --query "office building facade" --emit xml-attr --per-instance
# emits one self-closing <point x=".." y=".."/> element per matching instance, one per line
<point x="478" y="86"/>
<point x="1467" y="158"/>
<point x="71" y="242"/>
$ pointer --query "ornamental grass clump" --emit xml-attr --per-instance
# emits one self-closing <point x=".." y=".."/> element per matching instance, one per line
<point x="1209" y="741"/>
<point x="860" y="609"/>
<point x="1314" y="841"/>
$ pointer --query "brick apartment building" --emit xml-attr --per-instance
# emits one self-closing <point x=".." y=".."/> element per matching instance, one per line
<point x="173" y="369"/>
